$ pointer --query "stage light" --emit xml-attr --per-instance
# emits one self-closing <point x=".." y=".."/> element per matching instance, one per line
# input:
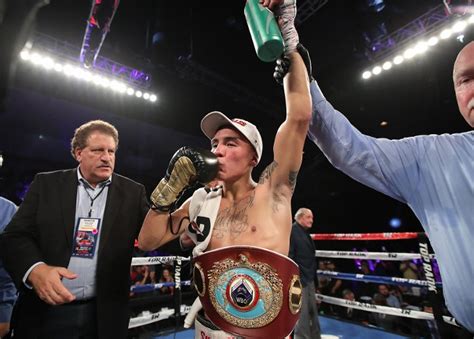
<point x="421" y="47"/>
<point x="366" y="75"/>
<point x="398" y="60"/>
<point x="122" y="88"/>
<point x="104" y="82"/>
<point x="58" y="67"/>
<point x="433" y="41"/>
<point x="68" y="70"/>
<point x="395" y="222"/>
<point x="96" y="79"/>
<point x="71" y="70"/>
<point x="78" y="73"/>
<point x="87" y="76"/>
<point x="459" y="26"/>
<point x="25" y="55"/>
<point x="376" y="70"/>
<point x="409" y="53"/>
<point x="47" y="63"/>
<point x="387" y="65"/>
<point x="36" y="58"/>
<point x="446" y="33"/>
<point x="471" y="19"/>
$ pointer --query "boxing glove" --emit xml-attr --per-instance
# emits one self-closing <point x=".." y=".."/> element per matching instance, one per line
<point x="283" y="65"/>
<point x="187" y="166"/>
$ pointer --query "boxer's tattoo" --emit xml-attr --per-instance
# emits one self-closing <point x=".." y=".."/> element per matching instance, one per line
<point x="233" y="220"/>
<point x="267" y="173"/>
<point x="292" y="179"/>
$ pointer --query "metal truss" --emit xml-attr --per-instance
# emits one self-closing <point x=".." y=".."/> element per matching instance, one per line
<point x="69" y="52"/>
<point x="307" y="9"/>
<point x="189" y="69"/>
<point x="427" y="23"/>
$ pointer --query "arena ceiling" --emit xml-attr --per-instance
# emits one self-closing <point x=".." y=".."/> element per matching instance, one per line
<point x="204" y="50"/>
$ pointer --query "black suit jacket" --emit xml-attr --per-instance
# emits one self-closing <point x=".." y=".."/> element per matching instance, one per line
<point x="42" y="230"/>
<point x="302" y="251"/>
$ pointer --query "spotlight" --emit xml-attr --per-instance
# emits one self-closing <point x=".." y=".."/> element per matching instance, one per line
<point x="47" y="63"/>
<point x="130" y="91"/>
<point x="25" y="55"/>
<point x="146" y="96"/>
<point x="395" y="223"/>
<point x="138" y="94"/>
<point x="366" y="75"/>
<point x="68" y="70"/>
<point x="58" y="67"/>
<point x="96" y="79"/>
<point x="36" y="58"/>
<point x="121" y="88"/>
<point x="433" y="41"/>
<point x="459" y="26"/>
<point x="387" y="65"/>
<point x="376" y="70"/>
<point x="153" y="98"/>
<point x="104" y="82"/>
<point x="409" y="53"/>
<point x="398" y="60"/>
<point x="446" y="33"/>
<point x="87" y="76"/>
<point x="420" y="47"/>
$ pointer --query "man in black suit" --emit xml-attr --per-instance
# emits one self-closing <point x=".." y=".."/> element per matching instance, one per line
<point x="302" y="251"/>
<point x="69" y="247"/>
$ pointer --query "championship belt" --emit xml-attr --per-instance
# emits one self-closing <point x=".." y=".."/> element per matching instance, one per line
<point x="249" y="291"/>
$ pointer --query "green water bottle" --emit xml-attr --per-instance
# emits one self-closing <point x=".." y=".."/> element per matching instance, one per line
<point x="266" y="35"/>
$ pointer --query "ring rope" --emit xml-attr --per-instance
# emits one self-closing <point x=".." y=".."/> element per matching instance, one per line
<point x="370" y="255"/>
<point x="157" y="286"/>
<point x="366" y="236"/>
<point x="148" y="317"/>
<point x="156" y="260"/>
<point x="375" y="279"/>
<point x="400" y="312"/>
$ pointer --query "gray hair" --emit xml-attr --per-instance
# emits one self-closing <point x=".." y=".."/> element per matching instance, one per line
<point x="300" y="212"/>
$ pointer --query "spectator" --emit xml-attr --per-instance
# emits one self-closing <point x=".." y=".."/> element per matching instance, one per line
<point x="350" y="313"/>
<point x="391" y="300"/>
<point x="140" y="275"/>
<point x="166" y="277"/>
<point x="385" y="321"/>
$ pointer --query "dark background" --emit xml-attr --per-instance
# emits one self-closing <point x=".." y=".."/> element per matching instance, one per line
<point x="43" y="110"/>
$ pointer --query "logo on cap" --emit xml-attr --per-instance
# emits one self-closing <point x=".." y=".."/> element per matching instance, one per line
<point x="240" y="122"/>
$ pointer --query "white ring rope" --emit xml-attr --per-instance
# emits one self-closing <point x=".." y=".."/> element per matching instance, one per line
<point x="407" y="313"/>
<point x="370" y="255"/>
<point x="156" y="260"/>
<point x="147" y="317"/>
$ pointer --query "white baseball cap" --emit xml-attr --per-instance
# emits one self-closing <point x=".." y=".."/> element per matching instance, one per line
<point x="213" y="121"/>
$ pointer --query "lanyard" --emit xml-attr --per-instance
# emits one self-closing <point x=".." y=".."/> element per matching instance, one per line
<point x="94" y="198"/>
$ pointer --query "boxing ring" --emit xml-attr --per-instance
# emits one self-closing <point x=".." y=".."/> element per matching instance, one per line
<point x="331" y="327"/>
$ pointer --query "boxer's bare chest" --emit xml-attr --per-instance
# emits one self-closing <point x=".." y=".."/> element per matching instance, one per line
<point x="235" y="219"/>
<point x="249" y="221"/>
